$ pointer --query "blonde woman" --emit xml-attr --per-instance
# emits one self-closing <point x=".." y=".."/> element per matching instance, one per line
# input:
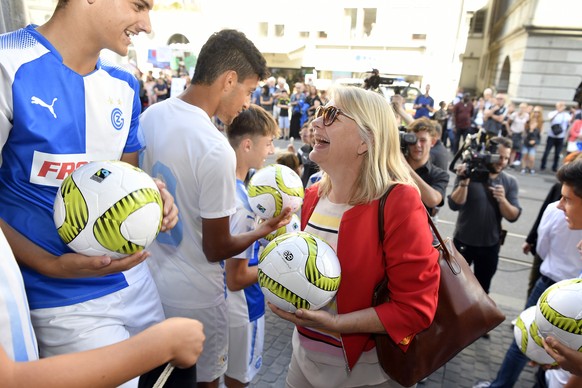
<point x="531" y="138"/>
<point x="357" y="147"/>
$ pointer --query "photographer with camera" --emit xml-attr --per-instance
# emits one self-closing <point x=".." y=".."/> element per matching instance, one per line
<point x="483" y="195"/>
<point x="430" y="179"/>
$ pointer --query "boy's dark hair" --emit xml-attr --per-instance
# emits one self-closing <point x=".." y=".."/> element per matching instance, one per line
<point x="571" y="174"/>
<point x="229" y="50"/>
<point x="252" y="122"/>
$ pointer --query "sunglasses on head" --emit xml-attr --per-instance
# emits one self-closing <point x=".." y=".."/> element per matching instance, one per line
<point x="329" y="114"/>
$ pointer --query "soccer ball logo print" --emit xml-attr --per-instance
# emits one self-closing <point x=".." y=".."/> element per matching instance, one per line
<point x="108" y="208"/>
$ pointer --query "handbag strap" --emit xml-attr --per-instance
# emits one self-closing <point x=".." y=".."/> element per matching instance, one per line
<point x="164" y="376"/>
<point x="451" y="261"/>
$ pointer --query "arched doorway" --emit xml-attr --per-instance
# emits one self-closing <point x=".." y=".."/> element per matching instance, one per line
<point x="503" y="84"/>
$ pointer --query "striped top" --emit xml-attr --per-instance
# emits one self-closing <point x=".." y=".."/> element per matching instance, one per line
<point x="324" y="223"/>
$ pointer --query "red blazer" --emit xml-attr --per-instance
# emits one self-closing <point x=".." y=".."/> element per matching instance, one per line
<point x="411" y="266"/>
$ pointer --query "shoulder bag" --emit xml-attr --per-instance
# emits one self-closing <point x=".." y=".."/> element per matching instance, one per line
<point x="464" y="314"/>
<point x="557" y="129"/>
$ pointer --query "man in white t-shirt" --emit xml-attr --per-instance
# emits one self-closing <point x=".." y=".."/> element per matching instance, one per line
<point x="559" y="121"/>
<point x="184" y="148"/>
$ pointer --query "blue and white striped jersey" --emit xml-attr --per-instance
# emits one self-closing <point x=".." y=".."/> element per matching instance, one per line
<point x="52" y="120"/>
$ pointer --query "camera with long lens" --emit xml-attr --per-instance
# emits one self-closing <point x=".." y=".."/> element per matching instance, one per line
<point x="406" y="139"/>
<point x="479" y="157"/>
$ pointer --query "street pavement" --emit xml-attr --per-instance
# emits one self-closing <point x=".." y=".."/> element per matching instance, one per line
<point x="479" y="361"/>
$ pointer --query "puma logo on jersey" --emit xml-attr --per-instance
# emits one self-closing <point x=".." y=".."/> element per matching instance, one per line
<point x="38" y="101"/>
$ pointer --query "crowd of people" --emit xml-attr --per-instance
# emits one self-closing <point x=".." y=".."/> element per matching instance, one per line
<point x="523" y="124"/>
<point x="154" y="89"/>
<point x="192" y="300"/>
<point x="291" y="108"/>
<point x="483" y="201"/>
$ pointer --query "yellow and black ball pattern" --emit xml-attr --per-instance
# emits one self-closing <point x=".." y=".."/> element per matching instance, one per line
<point x="107" y="228"/>
<point x="273" y="188"/>
<point x="559" y="312"/>
<point x="290" y="271"/>
<point x="76" y="214"/>
<point x="108" y="208"/>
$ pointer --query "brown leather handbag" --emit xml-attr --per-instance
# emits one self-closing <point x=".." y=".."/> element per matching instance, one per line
<point x="464" y="314"/>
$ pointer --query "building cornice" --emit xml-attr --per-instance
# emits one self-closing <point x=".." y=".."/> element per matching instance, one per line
<point x="552" y="30"/>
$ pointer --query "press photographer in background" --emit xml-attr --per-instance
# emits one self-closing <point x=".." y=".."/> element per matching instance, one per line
<point x="430" y="179"/>
<point x="483" y="195"/>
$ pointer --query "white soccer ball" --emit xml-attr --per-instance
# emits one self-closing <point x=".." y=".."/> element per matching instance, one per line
<point x="559" y="313"/>
<point x="108" y="208"/>
<point x="299" y="270"/>
<point x="274" y="188"/>
<point x="528" y="339"/>
<point x="293" y="226"/>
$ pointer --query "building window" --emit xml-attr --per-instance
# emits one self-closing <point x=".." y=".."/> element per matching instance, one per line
<point x="369" y="20"/>
<point x="322" y="34"/>
<point x="279" y="30"/>
<point x="477" y="22"/>
<point x="351" y="14"/>
<point x="304" y="34"/>
<point x="418" y="36"/>
<point x="263" y="29"/>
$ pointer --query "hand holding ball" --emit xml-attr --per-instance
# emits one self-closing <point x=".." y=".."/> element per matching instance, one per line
<point x="299" y="270"/>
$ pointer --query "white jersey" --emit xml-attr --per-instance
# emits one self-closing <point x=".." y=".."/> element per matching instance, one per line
<point x="246" y="305"/>
<point x="557" y="245"/>
<point x="185" y="150"/>
<point x="16" y="333"/>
